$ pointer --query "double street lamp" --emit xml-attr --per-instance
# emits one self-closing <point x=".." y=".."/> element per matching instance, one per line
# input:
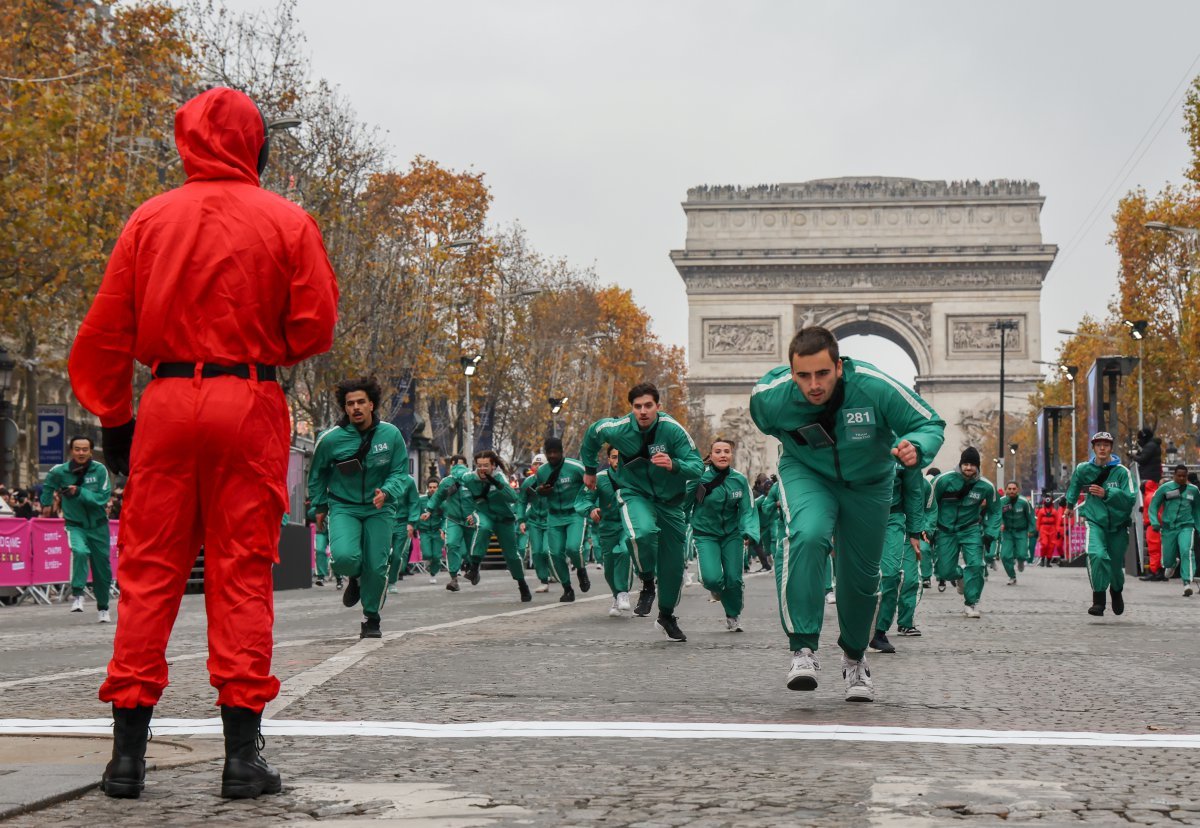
<point x="1002" y="326"/>
<point x="1069" y="372"/>
<point x="556" y="405"/>
<point x="1137" y="332"/>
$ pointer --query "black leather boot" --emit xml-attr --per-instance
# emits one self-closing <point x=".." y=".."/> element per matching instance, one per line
<point x="125" y="775"/>
<point x="1118" y="602"/>
<point x="246" y="775"/>
<point x="1097" y="607"/>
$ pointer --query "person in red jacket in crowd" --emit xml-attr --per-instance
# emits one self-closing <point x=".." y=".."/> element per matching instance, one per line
<point x="1050" y="531"/>
<point x="213" y="286"/>
<point x="1154" y="567"/>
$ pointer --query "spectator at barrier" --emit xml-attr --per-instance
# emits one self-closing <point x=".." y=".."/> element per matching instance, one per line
<point x="22" y="504"/>
<point x="6" y="509"/>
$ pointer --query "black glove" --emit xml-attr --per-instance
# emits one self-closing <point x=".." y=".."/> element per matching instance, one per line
<point x="116" y="443"/>
<point x="988" y="540"/>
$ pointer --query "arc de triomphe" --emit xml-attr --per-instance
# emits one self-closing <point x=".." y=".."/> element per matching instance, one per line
<point x="926" y="264"/>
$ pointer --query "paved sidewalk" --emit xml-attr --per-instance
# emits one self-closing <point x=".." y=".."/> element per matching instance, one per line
<point x="1035" y="662"/>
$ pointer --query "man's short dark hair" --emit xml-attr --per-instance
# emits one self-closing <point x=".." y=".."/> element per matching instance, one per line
<point x="432" y="480"/>
<point x="1180" y="467"/>
<point x="368" y="384"/>
<point x="457" y="460"/>
<point x="552" y="444"/>
<point x="813" y="340"/>
<point x="641" y="390"/>
<point x="71" y="442"/>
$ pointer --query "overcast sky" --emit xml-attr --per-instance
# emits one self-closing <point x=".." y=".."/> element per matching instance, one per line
<point x="591" y="121"/>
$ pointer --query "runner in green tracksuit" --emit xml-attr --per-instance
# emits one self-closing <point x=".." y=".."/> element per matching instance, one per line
<point x="723" y="519"/>
<point x="403" y="530"/>
<point x="1018" y="528"/>
<point x="898" y="583"/>
<point x="459" y="509"/>
<point x="657" y="458"/>
<point x="928" y="527"/>
<point x="1107" y="513"/>
<point x="321" y="543"/>
<point x="1180" y="502"/>
<point x="558" y="484"/>
<point x="968" y="518"/>
<point x="356" y="480"/>
<point x="842" y="424"/>
<point x="600" y="506"/>
<point x="495" y="514"/>
<point x="429" y="529"/>
<point x="531" y="512"/>
<point x="84" y="487"/>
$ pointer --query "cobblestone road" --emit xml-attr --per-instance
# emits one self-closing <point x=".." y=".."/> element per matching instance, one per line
<point x="1036" y="661"/>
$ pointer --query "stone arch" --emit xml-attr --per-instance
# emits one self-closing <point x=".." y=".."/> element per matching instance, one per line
<point x="879" y="322"/>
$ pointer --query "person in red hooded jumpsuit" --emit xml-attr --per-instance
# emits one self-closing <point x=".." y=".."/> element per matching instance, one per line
<point x="1050" y="531"/>
<point x="1154" y="567"/>
<point x="213" y="286"/>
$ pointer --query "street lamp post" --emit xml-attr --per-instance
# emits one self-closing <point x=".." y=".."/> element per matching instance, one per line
<point x="1002" y="326"/>
<point x="556" y="405"/>
<point x="469" y="365"/>
<point x="1137" y="332"/>
<point x="6" y="374"/>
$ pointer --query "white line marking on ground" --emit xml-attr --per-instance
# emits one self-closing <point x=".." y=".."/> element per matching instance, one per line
<point x="626" y="730"/>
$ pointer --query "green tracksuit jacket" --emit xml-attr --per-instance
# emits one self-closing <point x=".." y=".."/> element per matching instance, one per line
<point x="87" y="524"/>
<point x="458" y="509"/>
<point x="1107" y="518"/>
<point x="843" y="490"/>
<point x="1180" y="517"/>
<point x="721" y="508"/>
<point x="614" y="552"/>
<point x="408" y="513"/>
<point x="899" y="581"/>
<point x="1018" y="528"/>
<point x="496" y="512"/>
<point x="565" y="529"/>
<point x="962" y="520"/>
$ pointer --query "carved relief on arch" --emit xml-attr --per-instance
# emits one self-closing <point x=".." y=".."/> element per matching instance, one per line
<point x="912" y="323"/>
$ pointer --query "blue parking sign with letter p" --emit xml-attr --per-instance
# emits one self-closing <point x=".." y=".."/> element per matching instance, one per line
<point x="52" y="434"/>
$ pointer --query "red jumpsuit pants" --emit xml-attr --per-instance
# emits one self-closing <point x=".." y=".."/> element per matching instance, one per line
<point x="208" y="467"/>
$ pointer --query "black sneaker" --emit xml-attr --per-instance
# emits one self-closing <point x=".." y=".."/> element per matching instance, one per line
<point x="452" y="584"/>
<point x="340" y="582"/>
<point x="568" y="595"/>
<point x="912" y="632"/>
<point x="645" y="603"/>
<point x="473" y="573"/>
<point x="941" y="585"/>
<point x="1118" y="602"/>
<point x="351" y="595"/>
<point x="585" y="583"/>
<point x="880" y="644"/>
<point x="369" y="628"/>
<point x="526" y="595"/>
<point x="668" y="625"/>
<point x="924" y="583"/>
<point x="320" y="582"/>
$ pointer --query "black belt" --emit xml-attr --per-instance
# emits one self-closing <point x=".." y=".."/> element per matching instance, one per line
<point x="187" y="370"/>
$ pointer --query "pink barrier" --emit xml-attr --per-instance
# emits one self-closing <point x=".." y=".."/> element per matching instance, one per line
<point x="415" y="554"/>
<point x="51" y="551"/>
<point x="16" y="555"/>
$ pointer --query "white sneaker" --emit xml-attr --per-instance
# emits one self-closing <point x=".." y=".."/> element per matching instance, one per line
<point x="77" y="604"/>
<point x="103" y="618"/>
<point x="971" y="611"/>
<point x="687" y="578"/>
<point x="733" y="623"/>
<point x="393" y="590"/>
<point x="858" y="680"/>
<point x="599" y="567"/>
<point x="830" y="598"/>
<point x="433" y="579"/>
<point x="542" y="588"/>
<point x="623" y="602"/>
<point x="803" y="675"/>
<point x="1011" y="582"/>
<point x="614" y="611"/>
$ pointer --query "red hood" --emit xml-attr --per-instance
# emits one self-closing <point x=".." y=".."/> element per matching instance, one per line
<point x="219" y="134"/>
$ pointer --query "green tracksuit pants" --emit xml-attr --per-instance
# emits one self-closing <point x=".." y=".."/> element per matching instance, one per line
<point x="431" y="551"/>
<point x="539" y="556"/>
<point x="322" y="541"/>
<point x="948" y="546"/>
<point x="506" y="534"/>
<point x="1014" y="546"/>
<point x="1106" y="557"/>
<point x="1176" y="551"/>
<point x="401" y="551"/>
<point x="829" y="574"/>
<point x="89" y="547"/>
<point x="459" y="540"/>
<point x="361" y="539"/>
<point x="816" y="510"/>
<point x="926" y="561"/>
<point x="614" y="556"/>
<point x="656" y="535"/>
<point x="565" y="545"/>
<point x="720" y="562"/>
<point x="899" y="582"/>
